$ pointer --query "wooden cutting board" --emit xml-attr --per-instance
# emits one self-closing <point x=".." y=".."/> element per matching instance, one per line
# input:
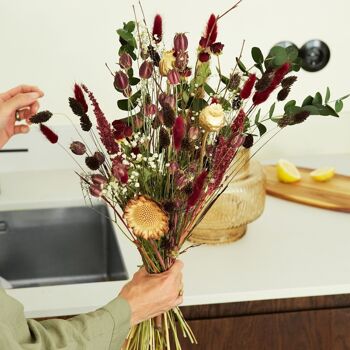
<point x="332" y="195"/>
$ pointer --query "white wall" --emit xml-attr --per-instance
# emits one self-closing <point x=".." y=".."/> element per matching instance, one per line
<point x="54" y="43"/>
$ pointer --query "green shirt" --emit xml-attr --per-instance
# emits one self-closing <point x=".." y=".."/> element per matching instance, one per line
<point x="103" y="329"/>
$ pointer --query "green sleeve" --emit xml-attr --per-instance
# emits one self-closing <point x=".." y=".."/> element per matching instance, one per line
<point x="103" y="329"/>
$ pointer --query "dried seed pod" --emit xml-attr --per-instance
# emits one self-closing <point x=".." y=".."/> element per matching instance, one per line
<point x="41" y="117"/>
<point x="85" y="123"/>
<point x="76" y="107"/>
<point x="78" y="148"/>
<point x="92" y="163"/>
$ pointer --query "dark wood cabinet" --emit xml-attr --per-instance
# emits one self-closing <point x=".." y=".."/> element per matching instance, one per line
<point x="319" y="323"/>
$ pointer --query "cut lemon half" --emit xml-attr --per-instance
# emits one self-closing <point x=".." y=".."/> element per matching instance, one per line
<point x="287" y="172"/>
<point x="322" y="174"/>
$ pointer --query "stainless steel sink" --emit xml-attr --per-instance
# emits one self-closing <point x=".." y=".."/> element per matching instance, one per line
<point x="59" y="246"/>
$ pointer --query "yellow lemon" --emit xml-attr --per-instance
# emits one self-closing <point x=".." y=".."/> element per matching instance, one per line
<point x="322" y="174"/>
<point x="287" y="172"/>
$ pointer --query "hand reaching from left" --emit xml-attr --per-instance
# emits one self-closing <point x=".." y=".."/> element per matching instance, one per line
<point x="23" y="99"/>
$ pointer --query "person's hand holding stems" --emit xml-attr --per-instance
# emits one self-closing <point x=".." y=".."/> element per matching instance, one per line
<point x="21" y="101"/>
<point x="152" y="295"/>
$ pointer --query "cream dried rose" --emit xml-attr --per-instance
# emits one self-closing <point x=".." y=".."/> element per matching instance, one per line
<point x="212" y="118"/>
<point x="167" y="62"/>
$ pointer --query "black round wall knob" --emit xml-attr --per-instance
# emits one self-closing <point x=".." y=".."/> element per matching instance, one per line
<point x="315" y="55"/>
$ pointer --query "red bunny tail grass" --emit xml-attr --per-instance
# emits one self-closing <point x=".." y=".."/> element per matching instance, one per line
<point x="211" y="32"/>
<point x="179" y="131"/>
<point x="103" y="126"/>
<point x="48" y="133"/>
<point x="197" y="189"/>
<point x="248" y="87"/>
<point x="157" y="32"/>
<point x="79" y="96"/>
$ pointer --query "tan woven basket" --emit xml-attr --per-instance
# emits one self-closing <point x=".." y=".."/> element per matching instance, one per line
<point x="241" y="203"/>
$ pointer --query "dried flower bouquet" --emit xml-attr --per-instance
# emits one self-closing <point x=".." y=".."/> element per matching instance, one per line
<point x="162" y="166"/>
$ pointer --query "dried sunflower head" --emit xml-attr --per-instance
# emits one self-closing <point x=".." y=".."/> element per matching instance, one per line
<point x="146" y="218"/>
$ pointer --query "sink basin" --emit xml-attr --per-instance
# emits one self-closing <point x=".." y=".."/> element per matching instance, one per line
<point x="59" y="246"/>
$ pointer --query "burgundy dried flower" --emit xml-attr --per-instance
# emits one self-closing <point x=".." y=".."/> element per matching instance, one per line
<point x="103" y="126"/>
<point x="146" y="69"/>
<point x="125" y="60"/>
<point x="78" y="148"/>
<point x="179" y="131"/>
<point x="85" y="123"/>
<point x="120" y="171"/>
<point x="157" y="32"/>
<point x="211" y="32"/>
<point x="100" y="157"/>
<point x="289" y="81"/>
<point x="150" y="109"/>
<point x="41" y="117"/>
<point x="168" y="116"/>
<point x="121" y="80"/>
<point x="48" y="133"/>
<point x="76" y="107"/>
<point x="203" y="57"/>
<point x="248" y="141"/>
<point x="92" y="163"/>
<point x="173" y="77"/>
<point x="79" y="96"/>
<point x="95" y="190"/>
<point x="216" y="48"/>
<point x="238" y="123"/>
<point x="181" y="60"/>
<point x="128" y="131"/>
<point x="180" y="42"/>
<point x="99" y="179"/>
<point x="248" y="87"/>
<point x="186" y="72"/>
<point x="164" y="139"/>
<point x="164" y="99"/>
<point x="197" y="189"/>
<point x="283" y="94"/>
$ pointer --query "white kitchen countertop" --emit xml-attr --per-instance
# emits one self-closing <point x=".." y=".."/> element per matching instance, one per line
<point x="291" y="251"/>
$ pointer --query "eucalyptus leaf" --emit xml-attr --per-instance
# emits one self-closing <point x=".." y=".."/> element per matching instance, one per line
<point x="257" y="55"/>
<point x="128" y="37"/>
<point x="130" y="26"/>
<point x="289" y="105"/>
<point x="317" y="99"/>
<point x="328" y="95"/>
<point x="339" y="106"/>
<point x="272" y="109"/>
<point x="262" y="129"/>
<point x="134" y="81"/>
<point x="241" y="66"/>
<point x="292" y="53"/>
<point x="257" y="117"/>
<point x="313" y="110"/>
<point x="208" y="89"/>
<point x="308" y="101"/>
<point x="328" y="111"/>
